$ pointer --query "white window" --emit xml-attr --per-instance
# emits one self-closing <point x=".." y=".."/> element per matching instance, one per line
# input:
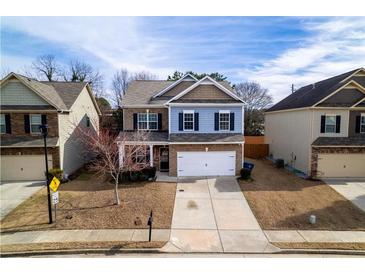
<point x="35" y="122"/>
<point x="330" y="125"/>
<point x="147" y="121"/>
<point x="2" y="124"/>
<point x="188" y="120"/>
<point x="362" y="123"/>
<point x="224" y="120"/>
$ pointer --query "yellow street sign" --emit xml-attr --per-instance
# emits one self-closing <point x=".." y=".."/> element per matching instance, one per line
<point x="54" y="184"/>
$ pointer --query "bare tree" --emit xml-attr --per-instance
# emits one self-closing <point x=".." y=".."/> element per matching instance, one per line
<point x="78" y="71"/>
<point x="107" y="160"/>
<point x="143" y="75"/>
<point x="256" y="99"/>
<point x="5" y="71"/>
<point x="46" y="65"/>
<point x="120" y="84"/>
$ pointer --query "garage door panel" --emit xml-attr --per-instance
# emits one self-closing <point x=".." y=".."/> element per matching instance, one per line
<point x="23" y="167"/>
<point x="341" y="165"/>
<point x="217" y="163"/>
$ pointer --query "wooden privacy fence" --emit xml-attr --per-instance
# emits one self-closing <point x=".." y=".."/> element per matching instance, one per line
<point x="255" y="147"/>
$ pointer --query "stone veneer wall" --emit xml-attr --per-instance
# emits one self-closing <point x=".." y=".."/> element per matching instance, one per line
<point x="54" y="151"/>
<point x="173" y="149"/>
<point x="335" y="150"/>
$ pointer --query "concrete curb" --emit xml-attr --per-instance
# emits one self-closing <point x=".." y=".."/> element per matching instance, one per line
<point x="158" y="251"/>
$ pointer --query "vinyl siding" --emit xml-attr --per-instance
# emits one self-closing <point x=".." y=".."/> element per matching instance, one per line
<point x="206" y="119"/>
<point x="15" y="93"/>
<point x="72" y="155"/>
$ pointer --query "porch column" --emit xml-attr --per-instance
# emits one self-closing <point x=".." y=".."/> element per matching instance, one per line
<point x="121" y="155"/>
<point x="151" y="155"/>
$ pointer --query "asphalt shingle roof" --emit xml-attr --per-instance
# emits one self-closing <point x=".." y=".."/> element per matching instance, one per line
<point x="311" y="94"/>
<point x="340" y="141"/>
<point x="27" y="141"/>
<point x="140" y="92"/>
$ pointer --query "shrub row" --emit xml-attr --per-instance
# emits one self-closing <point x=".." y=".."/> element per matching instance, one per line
<point x="138" y="176"/>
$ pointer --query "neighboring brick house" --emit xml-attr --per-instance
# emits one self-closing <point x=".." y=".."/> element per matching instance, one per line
<point x="320" y="128"/>
<point x="25" y="105"/>
<point x="196" y="127"/>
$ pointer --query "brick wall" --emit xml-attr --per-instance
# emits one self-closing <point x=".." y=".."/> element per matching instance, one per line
<point x="17" y="124"/>
<point x="226" y="147"/>
<point x="335" y="150"/>
<point x="54" y="151"/>
<point x="128" y="116"/>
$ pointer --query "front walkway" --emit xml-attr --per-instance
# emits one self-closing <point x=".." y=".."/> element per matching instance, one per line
<point x="212" y="215"/>
<point x="352" y="189"/>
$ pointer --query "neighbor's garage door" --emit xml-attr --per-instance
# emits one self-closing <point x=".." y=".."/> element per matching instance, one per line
<point x="24" y="167"/>
<point x="341" y="165"/>
<point x="217" y="163"/>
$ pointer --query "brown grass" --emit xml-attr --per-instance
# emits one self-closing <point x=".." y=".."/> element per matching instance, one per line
<point x="113" y="246"/>
<point x="90" y="204"/>
<point x="306" y="245"/>
<point x="281" y="200"/>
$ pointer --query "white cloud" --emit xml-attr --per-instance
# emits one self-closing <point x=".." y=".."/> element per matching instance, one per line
<point x="336" y="46"/>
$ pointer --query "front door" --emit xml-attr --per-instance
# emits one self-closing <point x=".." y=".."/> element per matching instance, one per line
<point x="164" y="159"/>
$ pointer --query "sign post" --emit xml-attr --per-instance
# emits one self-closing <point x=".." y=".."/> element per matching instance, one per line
<point x="149" y="223"/>
<point x="53" y="185"/>
<point x="44" y="130"/>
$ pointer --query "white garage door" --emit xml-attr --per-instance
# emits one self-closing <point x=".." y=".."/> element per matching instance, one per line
<point x="341" y="165"/>
<point x="23" y="167"/>
<point x="215" y="163"/>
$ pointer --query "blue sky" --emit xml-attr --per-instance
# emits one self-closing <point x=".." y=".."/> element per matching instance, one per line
<point x="274" y="51"/>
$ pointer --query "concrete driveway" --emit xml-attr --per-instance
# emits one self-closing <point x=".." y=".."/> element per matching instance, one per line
<point x="14" y="193"/>
<point x="212" y="215"/>
<point x="351" y="188"/>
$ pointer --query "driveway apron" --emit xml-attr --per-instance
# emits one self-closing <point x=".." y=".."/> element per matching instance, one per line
<point x="212" y="215"/>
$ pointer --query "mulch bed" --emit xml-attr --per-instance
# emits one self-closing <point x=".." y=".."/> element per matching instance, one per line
<point x="281" y="200"/>
<point x="90" y="204"/>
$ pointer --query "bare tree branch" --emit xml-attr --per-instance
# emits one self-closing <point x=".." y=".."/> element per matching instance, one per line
<point x="120" y="84"/>
<point x="143" y="75"/>
<point x="46" y="66"/>
<point x="256" y="99"/>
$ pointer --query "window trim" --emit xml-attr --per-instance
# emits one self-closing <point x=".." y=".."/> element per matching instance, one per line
<point x="325" y="123"/>
<point x="362" y="124"/>
<point x="30" y="124"/>
<point x="219" y="120"/>
<point x="147" y="120"/>
<point x="188" y="112"/>
<point x="4" y="125"/>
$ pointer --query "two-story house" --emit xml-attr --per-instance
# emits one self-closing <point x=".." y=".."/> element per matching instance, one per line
<point x="25" y="105"/>
<point x="195" y="126"/>
<point x="320" y="128"/>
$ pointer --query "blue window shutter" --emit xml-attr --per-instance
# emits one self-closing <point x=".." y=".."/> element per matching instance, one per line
<point x="231" y="121"/>
<point x="323" y="123"/>
<point x="181" y="126"/>
<point x="216" y="121"/>
<point x="338" y="123"/>
<point x="196" y="121"/>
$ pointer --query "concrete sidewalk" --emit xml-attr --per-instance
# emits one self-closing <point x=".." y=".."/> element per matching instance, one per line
<point x="100" y="235"/>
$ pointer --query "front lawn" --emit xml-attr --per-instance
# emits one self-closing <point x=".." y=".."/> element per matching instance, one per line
<point x="281" y="200"/>
<point x="88" y="203"/>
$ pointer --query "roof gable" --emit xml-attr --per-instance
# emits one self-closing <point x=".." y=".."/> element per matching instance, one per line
<point x="214" y="93"/>
<point x="313" y="94"/>
<point x="186" y="78"/>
